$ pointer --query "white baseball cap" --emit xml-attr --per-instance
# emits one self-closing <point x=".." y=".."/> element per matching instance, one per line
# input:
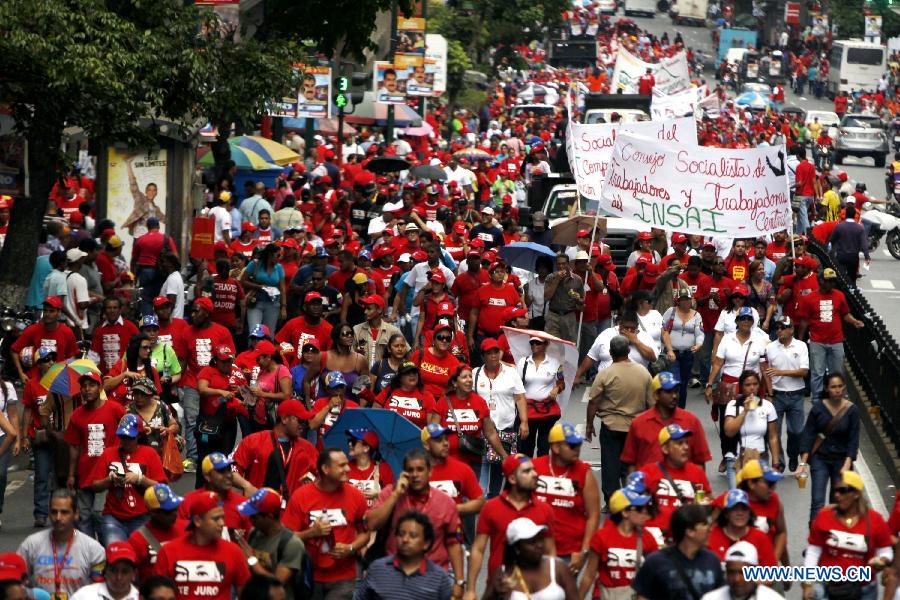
<point x="405" y="257"/>
<point x="743" y="552"/>
<point x="74" y="254"/>
<point x="522" y="529"/>
<point x="487" y="210"/>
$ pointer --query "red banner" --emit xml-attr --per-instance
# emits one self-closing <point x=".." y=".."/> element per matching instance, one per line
<point x="203" y="238"/>
<point x="792" y="13"/>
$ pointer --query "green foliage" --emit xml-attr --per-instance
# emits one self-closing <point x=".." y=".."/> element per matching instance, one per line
<point x="848" y="16"/>
<point x="471" y="99"/>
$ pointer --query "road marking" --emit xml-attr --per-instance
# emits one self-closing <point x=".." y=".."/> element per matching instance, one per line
<point x="803" y="98"/>
<point x="871" y="485"/>
<point x="882" y="284"/>
<point x="12" y="486"/>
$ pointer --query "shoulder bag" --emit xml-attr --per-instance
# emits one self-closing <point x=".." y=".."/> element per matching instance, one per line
<point x="678" y="492"/>
<point x="822" y="435"/>
<point x="661" y="363"/>
<point x="672" y="553"/>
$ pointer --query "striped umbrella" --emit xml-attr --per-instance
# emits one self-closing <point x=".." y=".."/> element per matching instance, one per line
<point x="473" y="154"/>
<point x="244" y="158"/>
<point x="269" y="150"/>
<point x="62" y="378"/>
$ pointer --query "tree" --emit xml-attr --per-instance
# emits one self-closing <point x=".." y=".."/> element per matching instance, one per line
<point x="847" y="15"/>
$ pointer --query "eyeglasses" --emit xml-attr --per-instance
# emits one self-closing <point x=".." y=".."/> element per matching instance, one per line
<point x="844" y="490"/>
<point x="443" y="338"/>
<point x="310" y="349"/>
<point x="346" y="334"/>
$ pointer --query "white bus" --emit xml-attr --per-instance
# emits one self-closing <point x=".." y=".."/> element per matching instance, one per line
<point x="855" y="65"/>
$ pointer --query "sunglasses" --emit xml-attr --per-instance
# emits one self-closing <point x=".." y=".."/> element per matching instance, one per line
<point x="310" y="349"/>
<point x="346" y="334"/>
<point x="443" y="338"/>
<point x="844" y="490"/>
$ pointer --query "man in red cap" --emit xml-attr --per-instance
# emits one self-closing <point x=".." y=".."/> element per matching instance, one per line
<point x="202" y="563"/>
<point x="246" y="242"/>
<point x="309" y="325"/>
<point x="801" y="283"/>
<point x="278" y="458"/>
<point x="516" y="500"/>
<point x="384" y="269"/>
<point x="329" y="517"/>
<point x="164" y="526"/>
<point x="118" y="576"/>
<point x="679" y="250"/>
<point x="197" y="342"/>
<point x="91" y="430"/>
<point x="49" y="332"/>
<point x="170" y="328"/>
<point x="374" y="333"/>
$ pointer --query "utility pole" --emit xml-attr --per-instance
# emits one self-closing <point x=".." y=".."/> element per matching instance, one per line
<point x="389" y="130"/>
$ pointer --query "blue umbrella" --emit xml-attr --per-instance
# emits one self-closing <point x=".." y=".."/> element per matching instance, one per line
<point x="524" y="255"/>
<point x="753" y="100"/>
<point x="396" y="434"/>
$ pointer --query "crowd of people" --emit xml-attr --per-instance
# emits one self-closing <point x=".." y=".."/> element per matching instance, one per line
<point x="340" y="289"/>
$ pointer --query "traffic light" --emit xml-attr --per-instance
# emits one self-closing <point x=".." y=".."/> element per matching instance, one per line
<point x="342" y="85"/>
<point x="359" y="81"/>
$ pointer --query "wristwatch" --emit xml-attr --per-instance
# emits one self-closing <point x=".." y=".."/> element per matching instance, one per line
<point x="461" y="583"/>
<point x="252" y="561"/>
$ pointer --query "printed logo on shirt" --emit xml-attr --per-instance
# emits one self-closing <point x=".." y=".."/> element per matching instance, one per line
<point x="557" y="486"/>
<point x="96" y="441"/>
<point x="667" y="496"/>
<point x="446" y="486"/>
<point x="164" y="339"/>
<point x="112" y="346"/>
<point x="762" y="524"/>
<point x="303" y="338"/>
<point x="468" y="420"/>
<point x="48" y="343"/>
<point x="621" y="557"/>
<point x="402" y="402"/>
<point x="496" y="302"/>
<point x="335" y="516"/>
<point x="203" y="348"/>
<point x="826" y="311"/>
<point x="844" y="540"/>
<point x="487" y="237"/>
<point x="194" y="571"/>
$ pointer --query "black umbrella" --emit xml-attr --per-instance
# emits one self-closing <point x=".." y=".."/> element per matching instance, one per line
<point x="432" y="172"/>
<point x="387" y="164"/>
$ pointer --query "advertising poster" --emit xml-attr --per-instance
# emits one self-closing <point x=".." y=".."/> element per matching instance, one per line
<point x="136" y="190"/>
<point x="12" y="165"/>
<point x="390" y="83"/>
<point x="315" y="93"/>
<point x="410" y="36"/>
<point x="436" y="50"/>
<point x="287" y="106"/>
<point x="419" y="81"/>
<point x="873" y="29"/>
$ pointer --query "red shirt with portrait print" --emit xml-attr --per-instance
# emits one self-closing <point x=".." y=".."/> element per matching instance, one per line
<point x="93" y="430"/>
<point x="414" y="405"/>
<point x="825" y="314"/>
<point x="199" y="345"/>
<point x="492" y="302"/>
<point x="845" y="546"/>
<point x="127" y="502"/>
<point x="469" y="414"/>
<point x="209" y="572"/>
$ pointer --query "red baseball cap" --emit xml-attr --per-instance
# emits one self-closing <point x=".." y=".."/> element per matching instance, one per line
<point x="644" y="235"/>
<point x="512" y="463"/>
<point x="92" y="375"/>
<point x="374" y="299"/>
<point x="437" y="275"/>
<point x="248" y="226"/>
<point x="507" y="199"/>
<point x="606" y="261"/>
<point x="678" y="238"/>
<point x="650" y="272"/>
<point x="382" y="250"/>
<point x="364" y="435"/>
<point x="511" y="312"/>
<point x="310" y="296"/>
<point x="459" y="227"/>
<point x="740" y="290"/>
<point x="584" y="233"/>
<point x="476" y="243"/>
<point x="120" y="550"/>
<point x="204" y="303"/>
<point x="53" y="302"/>
<point x="291" y="408"/>
<point x="161" y="301"/>
<point x="263" y="347"/>
<point x="329" y="242"/>
<point x="644" y="259"/>
<point x="311" y="342"/>
<point x="222" y="247"/>
<point x="202" y="503"/>
<point x="497" y="264"/>
<point x="445" y="308"/>
<point x="12" y="567"/>
<point x="223" y="352"/>
<point x="489" y="344"/>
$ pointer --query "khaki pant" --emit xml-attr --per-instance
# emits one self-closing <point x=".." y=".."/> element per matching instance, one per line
<point x="562" y="326"/>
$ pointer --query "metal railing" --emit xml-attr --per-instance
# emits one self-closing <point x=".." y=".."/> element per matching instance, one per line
<point x="872" y="351"/>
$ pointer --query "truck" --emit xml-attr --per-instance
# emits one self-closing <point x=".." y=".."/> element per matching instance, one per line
<point x="690" y="12"/>
<point x="631" y="107"/>
<point x="735" y="37"/>
<point x="577" y="53"/>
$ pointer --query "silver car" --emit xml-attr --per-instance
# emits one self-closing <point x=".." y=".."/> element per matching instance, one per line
<point x="861" y="135"/>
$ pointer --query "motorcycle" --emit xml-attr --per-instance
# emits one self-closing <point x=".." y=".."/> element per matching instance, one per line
<point x="895" y="130"/>
<point x="884" y="222"/>
<point x="823" y="153"/>
<point x="12" y="324"/>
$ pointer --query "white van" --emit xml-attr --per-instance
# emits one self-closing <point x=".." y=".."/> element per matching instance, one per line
<point x="644" y="7"/>
<point x="855" y="65"/>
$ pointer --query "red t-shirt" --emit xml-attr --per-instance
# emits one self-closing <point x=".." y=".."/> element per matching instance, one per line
<point x="694" y="283"/>
<point x="106" y="267"/>
<point x="894" y="519"/>
<point x="465" y="287"/>
<point x="146" y="556"/>
<point x="239" y="247"/>
<point x="33" y="396"/>
<point x="226" y="295"/>
<point x="618" y="553"/>
<point x="498" y="513"/>
<point x="345" y="508"/>
<point x="738" y="268"/>
<point x="642" y="441"/>
<point x="128" y="502"/>
<point x="599" y="301"/>
<point x="435" y="371"/>
<point x="172" y="331"/>
<point x="364" y="479"/>
<point x="338" y="280"/>
<point x="330" y="418"/>
<point x="492" y="302"/>
<point x="848" y="546"/>
<point x="805" y="176"/>
<point x="563" y="490"/>
<point x="122" y="393"/>
<point x="456" y="479"/>
<point x="799" y="289"/>
<point x="688" y="478"/>
<point x="200" y="344"/>
<point x="767" y="515"/>
<point x="385" y="274"/>
<point x="415" y="405"/>
<point x="255" y="458"/>
<point x="297" y="331"/>
<point x="93" y="430"/>
<point x="61" y="340"/>
<point x="775" y="251"/>
<point x="208" y="572"/>
<point x="825" y="314"/>
<point x="209" y="404"/>
<point x="719" y="543"/>
<point x="714" y="292"/>
<point x="110" y="341"/>
<point x="149" y="246"/>
<point x="233" y="519"/>
<point x="470" y="412"/>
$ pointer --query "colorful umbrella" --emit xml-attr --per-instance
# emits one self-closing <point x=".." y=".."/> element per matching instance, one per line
<point x="396" y="434"/>
<point x="244" y="158"/>
<point x="269" y="150"/>
<point x="473" y="154"/>
<point x="62" y="377"/>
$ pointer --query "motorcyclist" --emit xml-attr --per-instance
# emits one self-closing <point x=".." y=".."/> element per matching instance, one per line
<point x="863" y="201"/>
<point x="892" y="179"/>
<point x="824" y="148"/>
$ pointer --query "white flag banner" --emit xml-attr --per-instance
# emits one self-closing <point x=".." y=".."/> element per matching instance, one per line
<point x="671" y="74"/>
<point x="698" y="190"/>
<point x="671" y="106"/>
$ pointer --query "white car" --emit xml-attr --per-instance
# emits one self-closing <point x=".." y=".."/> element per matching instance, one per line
<point x="826" y="118"/>
<point x="607" y="7"/>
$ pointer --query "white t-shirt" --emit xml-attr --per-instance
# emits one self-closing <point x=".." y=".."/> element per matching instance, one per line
<point x="540" y="380"/>
<point x="726" y="323"/>
<point x="536" y="295"/>
<point x="99" y="591"/>
<point x="174" y="284"/>
<point x="787" y="358"/>
<point x="733" y="353"/>
<point x="499" y="393"/>
<point x="599" y="351"/>
<point x="652" y="324"/>
<point x="223" y="221"/>
<point x="8" y="399"/>
<point x="756" y="423"/>
<point x="724" y="592"/>
<point x="77" y="291"/>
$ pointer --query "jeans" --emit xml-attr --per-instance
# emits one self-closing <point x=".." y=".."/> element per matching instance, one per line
<point x="790" y="404"/>
<point x="116" y="530"/>
<point x="4" y="466"/>
<point x="43" y="477"/>
<point x="224" y="443"/>
<point x="706" y="356"/>
<point x="265" y="312"/>
<point x="334" y="590"/>
<point x="588" y="335"/>
<point x="823" y="357"/>
<point x="802" y="213"/>
<point x="190" y="402"/>
<point x="90" y="505"/>
<point x="613" y="471"/>
<point x="685" y="360"/>
<point x="469" y="521"/>
<point x="150" y="286"/>
<point x="491" y="479"/>
<point x="822" y="471"/>
<point x="538" y="431"/>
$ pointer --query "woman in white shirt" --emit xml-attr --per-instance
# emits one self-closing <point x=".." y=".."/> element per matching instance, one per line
<point x="534" y="292"/>
<point x="751" y="422"/>
<point x="726" y="324"/>
<point x="174" y="284"/>
<point x="501" y="387"/>
<point x="543" y="379"/>
<point x="649" y="319"/>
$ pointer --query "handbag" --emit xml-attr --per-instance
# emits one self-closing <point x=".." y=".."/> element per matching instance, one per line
<point x="209" y="427"/>
<point x="822" y="435"/>
<point x="171" y="458"/>
<point x="472" y="444"/>
<point x="661" y="363"/>
<point x="727" y="390"/>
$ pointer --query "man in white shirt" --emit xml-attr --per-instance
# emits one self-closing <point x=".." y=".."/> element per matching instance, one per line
<point x="222" y="215"/>
<point x="787" y="360"/>
<point x="643" y="348"/>
<point x="121" y="561"/>
<point x="740" y="555"/>
<point x="77" y="296"/>
<point x="458" y="174"/>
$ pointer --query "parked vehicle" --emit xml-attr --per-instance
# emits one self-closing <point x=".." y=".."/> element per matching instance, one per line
<point x="12" y="324"/>
<point x="644" y="7"/>
<point x="855" y="65"/>
<point x="691" y="12"/>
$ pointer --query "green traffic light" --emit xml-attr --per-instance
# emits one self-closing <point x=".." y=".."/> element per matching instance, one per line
<point x="340" y="100"/>
<point x="343" y="84"/>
